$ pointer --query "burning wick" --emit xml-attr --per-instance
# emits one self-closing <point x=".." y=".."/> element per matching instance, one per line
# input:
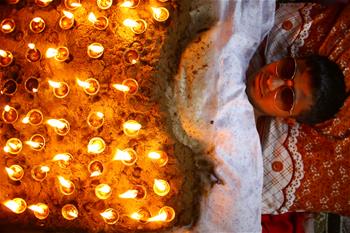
<point x="166" y="214"/>
<point x="160" y="14"/>
<point x="95" y="50"/>
<point x="16" y="205"/>
<point x="69" y="212"/>
<point x="63" y="159"/>
<point x="95" y="168"/>
<point x="13" y="146"/>
<point x="67" y="20"/>
<point x="131" y="56"/>
<point x="66" y="186"/>
<point x="138" y="26"/>
<point x="127" y="156"/>
<point x="15" y="172"/>
<point x="100" y="23"/>
<point x="9" y="88"/>
<point x="61" y="54"/>
<point x="103" y="191"/>
<point x="131" y="128"/>
<point x="43" y="3"/>
<point x="72" y="4"/>
<point x="37" y="25"/>
<point x="33" y="117"/>
<point x="138" y="192"/>
<point x="12" y="2"/>
<point x="60" y="89"/>
<point x="104" y="4"/>
<point x="91" y="86"/>
<point x="96" y="145"/>
<point x="31" y="85"/>
<point x="6" y="58"/>
<point x="36" y="142"/>
<point x="142" y="215"/>
<point x="129" y="86"/>
<point x="41" y="210"/>
<point x="161" y="187"/>
<point x="130" y="3"/>
<point x="7" y="25"/>
<point x="39" y="173"/>
<point x="110" y="216"/>
<point x="158" y="157"/>
<point x="33" y="54"/>
<point x="61" y="126"/>
<point x="96" y="119"/>
<point x="9" y="114"/>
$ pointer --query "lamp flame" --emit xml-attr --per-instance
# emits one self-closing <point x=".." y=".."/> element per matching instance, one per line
<point x="127" y="4"/>
<point x="157" y="11"/>
<point x="65" y="183"/>
<point x="154" y="155"/>
<point x="96" y="48"/>
<point x="105" y="189"/>
<point x="121" y="87"/>
<point x="31" y="46"/>
<point x="92" y="18"/>
<point x="51" y="52"/>
<point x="46" y="1"/>
<point x="83" y="84"/>
<point x="122" y="155"/>
<point x="9" y="171"/>
<point x="130" y="23"/>
<point x="63" y="157"/>
<point x="6" y="27"/>
<point x="162" y="216"/>
<point x="25" y="120"/>
<point x="68" y="14"/>
<point x="55" y="84"/>
<point x="56" y="123"/>
<point x="44" y="168"/>
<point x="37" y="208"/>
<point x="75" y="4"/>
<point x="12" y="146"/>
<point x="129" y="194"/>
<point x="108" y="214"/>
<point x="95" y="173"/>
<point x="132" y="125"/>
<point x="3" y="53"/>
<point x="7" y="108"/>
<point x="34" y="144"/>
<point x="16" y="205"/>
<point x="136" y="216"/>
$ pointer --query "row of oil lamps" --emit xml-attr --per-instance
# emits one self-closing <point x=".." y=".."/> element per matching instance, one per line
<point x="110" y="215"/>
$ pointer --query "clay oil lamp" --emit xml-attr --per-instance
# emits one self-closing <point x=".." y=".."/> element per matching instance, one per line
<point x="130" y="3"/>
<point x="15" y="172"/>
<point x="36" y="142"/>
<point x="131" y="128"/>
<point x="110" y="216"/>
<point x="9" y="114"/>
<point x="128" y="156"/>
<point x="104" y="4"/>
<point x="60" y="89"/>
<point x="160" y="14"/>
<point x="131" y="56"/>
<point x="16" y="205"/>
<point x="61" y="126"/>
<point x="95" y="168"/>
<point x="128" y="86"/>
<point x="33" y="117"/>
<point x="161" y="187"/>
<point x="64" y="159"/>
<point x="13" y="146"/>
<point x="37" y="25"/>
<point x="138" y="193"/>
<point x="7" y="25"/>
<point x="67" y="20"/>
<point x="96" y="145"/>
<point x="137" y="26"/>
<point x="69" y="212"/>
<point x="33" y="54"/>
<point x="72" y="4"/>
<point x="95" y="50"/>
<point x="96" y="119"/>
<point x="91" y="86"/>
<point x="43" y="3"/>
<point x="9" y="88"/>
<point x="142" y="215"/>
<point x="32" y="85"/>
<point x="39" y="173"/>
<point x="66" y="186"/>
<point x="40" y="210"/>
<point x="103" y="191"/>
<point x="165" y="214"/>
<point x="100" y="23"/>
<point x="160" y="158"/>
<point x="6" y="58"/>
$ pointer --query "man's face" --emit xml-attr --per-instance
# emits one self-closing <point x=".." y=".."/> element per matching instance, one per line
<point x="281" y="89"/>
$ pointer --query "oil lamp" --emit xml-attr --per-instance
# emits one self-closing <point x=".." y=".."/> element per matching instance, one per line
<point x="33" y="54"/>
<point x="37" y="25"/>
<point x="13" y="146"/>
<point x="66" y="186"/>
<point x="158" y="157"/>
<point x="33" y="117"/>
<point x="96" y="145"/>
<point x="131" y="56"/>
<point x="95" y="168"/>
<point x="67" y="20"/>
<point x="9" y="88"/>
<point x="100" y="23"/>
<point x="63" y="159"/>
<point x="96" y="119"/>
<point x="137" y="26"/>
<point x="127" y="156"/>
<point x="9" y="114"/>
<point x="161" y="187"/>
<point x="43" y="3"/>
<point x="131" y="128"/>
<point x="60" y="54"/>
<point x="104" y="4"/>
<point x="60" y="89"/>
<point x="91" y="86"/>
<point x="12" y="2"/>
<point x="160" y="14"/>
<point x="138" y="192"/>
<point x="110" y="216"/>
<point x="40" y="210"/>
<point x="6" y="58"/>
<point x="39" y="173"/>
<point x="7" y="25"/>
<point x="36" y="142"/>
<point x="165" y="214"/>
<point x="103" y="191"/>
<point x="132" y="85"/>
<point x="31" y="84"/>
<point x="72" y="4"/>
<point x="130" y="3"/>
<point x="69" y="212"/>
<point x="15" y="172"/>
<point x="142" y="215"/>
<point x="61" y="126"/>
<point x="16" y="205"/>
<point x="95" y="50"/>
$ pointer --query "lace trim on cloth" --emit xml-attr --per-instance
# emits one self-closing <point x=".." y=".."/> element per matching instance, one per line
<point x="304" y="34"/>
<point x="298" y="169"/>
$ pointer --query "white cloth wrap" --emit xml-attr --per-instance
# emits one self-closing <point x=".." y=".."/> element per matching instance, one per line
<point x="210" y="86"/>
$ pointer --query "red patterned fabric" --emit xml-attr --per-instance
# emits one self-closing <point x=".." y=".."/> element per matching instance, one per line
<point x="286" y="223"/>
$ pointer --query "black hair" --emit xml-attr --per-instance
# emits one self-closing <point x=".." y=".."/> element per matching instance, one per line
<point x="328" y="90"/>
